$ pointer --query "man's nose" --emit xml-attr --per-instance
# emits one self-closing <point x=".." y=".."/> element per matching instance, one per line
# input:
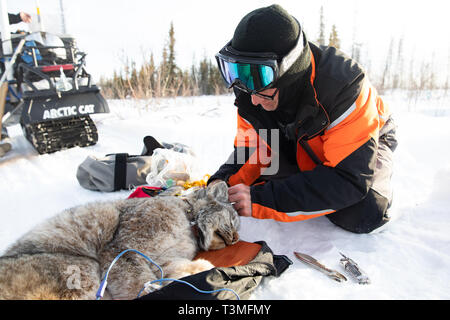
<point x="256" y="100"/>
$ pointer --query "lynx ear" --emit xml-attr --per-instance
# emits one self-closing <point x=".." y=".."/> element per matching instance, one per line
<point x="195" y="194"/>
<point x="218" y="191"/>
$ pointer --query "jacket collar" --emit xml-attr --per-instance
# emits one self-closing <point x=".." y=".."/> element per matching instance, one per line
<point x="311" y="118"/>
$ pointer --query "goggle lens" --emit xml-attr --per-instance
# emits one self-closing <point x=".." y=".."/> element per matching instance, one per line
<point x="252" y="76"/>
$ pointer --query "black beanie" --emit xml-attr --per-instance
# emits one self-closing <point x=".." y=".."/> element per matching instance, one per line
<point x="273" y="29"/>
<point x="269" y="29"/>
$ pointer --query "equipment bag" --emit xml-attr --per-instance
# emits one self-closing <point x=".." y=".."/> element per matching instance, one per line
<point x="240" y="267"/>
<point x="113" y="172"/>
<point x="120" y="171"/>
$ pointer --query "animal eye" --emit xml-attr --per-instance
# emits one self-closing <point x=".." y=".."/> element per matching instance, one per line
<point x="220" y="236"/>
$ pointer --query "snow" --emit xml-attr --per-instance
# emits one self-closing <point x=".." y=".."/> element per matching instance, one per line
<point x="409" y="258"/>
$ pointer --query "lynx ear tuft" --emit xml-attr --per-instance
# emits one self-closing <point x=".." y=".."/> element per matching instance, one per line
<point x="218" y="191"/>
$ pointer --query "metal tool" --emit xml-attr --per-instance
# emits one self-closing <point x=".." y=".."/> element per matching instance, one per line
<point x="333" y="274"/>
<point x="354" y="270"/>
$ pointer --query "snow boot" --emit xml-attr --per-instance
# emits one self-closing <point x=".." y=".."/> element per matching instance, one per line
<point x="4" y="148"/>
<point x="150" y="144"/>
<point x="4" y="134"/>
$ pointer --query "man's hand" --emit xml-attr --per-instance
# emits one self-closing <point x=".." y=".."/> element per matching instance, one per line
<point x="25" y="17"/>
<point x="240" y="195"/>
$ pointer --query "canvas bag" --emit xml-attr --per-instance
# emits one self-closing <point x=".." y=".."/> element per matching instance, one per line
<point x="120" y="171"/>
<point x="113" y="172"/>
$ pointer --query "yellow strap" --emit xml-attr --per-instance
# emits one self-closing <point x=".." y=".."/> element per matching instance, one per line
<point x="198" y="183"/>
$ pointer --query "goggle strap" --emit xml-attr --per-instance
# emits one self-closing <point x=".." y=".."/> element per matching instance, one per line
<point x="292" y="56"/>
<point x="267" y="55"/>
<point x="279" y="68"/>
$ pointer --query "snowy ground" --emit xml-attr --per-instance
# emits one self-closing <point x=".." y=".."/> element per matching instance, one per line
<point x="408" y="259"/>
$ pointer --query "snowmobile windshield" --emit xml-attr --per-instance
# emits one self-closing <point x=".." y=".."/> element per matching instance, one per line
<point x="50" y="41"/>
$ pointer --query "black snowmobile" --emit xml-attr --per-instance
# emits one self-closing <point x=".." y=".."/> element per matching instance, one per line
<point x="52" y="96"/>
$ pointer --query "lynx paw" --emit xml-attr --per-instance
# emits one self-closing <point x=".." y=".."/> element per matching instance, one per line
<point x="180" y="269"/>
<point x="199" y="265"/>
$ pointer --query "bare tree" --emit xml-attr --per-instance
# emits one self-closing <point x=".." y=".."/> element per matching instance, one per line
<point x="386" y="76"/>
<point x="356" y="45"/>
<point x="397" y="80"/>
<point x="447" y="80"/>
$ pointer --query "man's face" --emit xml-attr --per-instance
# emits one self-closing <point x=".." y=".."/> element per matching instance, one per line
<point x="267" y="104"/>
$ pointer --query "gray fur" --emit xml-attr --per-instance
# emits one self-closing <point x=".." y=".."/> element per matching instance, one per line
<point x="67" y="256"/>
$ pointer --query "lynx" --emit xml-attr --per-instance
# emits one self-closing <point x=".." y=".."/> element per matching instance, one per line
<point x="66" y="256"/>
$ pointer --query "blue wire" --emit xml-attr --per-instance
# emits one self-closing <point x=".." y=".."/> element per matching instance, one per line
<point x="104" y="282"/>
<point x="194" y="287"/>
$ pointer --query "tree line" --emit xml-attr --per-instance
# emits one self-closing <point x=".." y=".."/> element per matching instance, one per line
<point x="165" y="79"/>
<point x="168" y="80"/>
<point x="397" y="69"/>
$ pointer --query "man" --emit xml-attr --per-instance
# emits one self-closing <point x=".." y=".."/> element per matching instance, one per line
<point x="20" y="17"/>
<point x="320" y="120"/>
<point x="13" y="19"/>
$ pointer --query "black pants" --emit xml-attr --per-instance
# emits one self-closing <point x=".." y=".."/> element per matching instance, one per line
<point x="365" y="216"/>
<point x="371" y="212"/>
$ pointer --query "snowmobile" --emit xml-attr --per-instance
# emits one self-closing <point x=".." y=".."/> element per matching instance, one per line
<point x="51" y="94"/>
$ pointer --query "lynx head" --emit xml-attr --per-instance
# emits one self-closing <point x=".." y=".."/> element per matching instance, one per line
<point x="217" y="221"/>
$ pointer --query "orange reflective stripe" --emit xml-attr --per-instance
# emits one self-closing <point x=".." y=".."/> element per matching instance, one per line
<point x="313" y="68"/>
<point x="258" y="160"/>
<point x="261" y="212"/>
<point x="370" y="92"/>
<point x="383" y="111"/>
<point x="304" y="161"/>
<point x="353" y="130"/>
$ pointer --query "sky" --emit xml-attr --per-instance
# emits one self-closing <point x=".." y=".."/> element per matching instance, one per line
<point x="111" y="31"/>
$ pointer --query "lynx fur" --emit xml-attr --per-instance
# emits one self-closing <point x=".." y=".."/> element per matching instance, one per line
<point x="67" y="256"/>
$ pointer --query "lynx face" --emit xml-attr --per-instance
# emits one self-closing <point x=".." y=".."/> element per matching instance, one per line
<point x="217" y="221"/>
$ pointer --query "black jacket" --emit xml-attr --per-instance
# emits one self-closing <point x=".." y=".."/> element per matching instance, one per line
<point x="326" y="154"/>
<point x="14" y="18"/>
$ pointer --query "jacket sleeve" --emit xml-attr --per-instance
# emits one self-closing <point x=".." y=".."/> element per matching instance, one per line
<point x="250" y="157"/>
<point x="344" y="178"/>
<point x="14" y="18"/>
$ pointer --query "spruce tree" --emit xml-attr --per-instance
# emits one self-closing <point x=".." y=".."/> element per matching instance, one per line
<point x="334" y="38"/>
<point x="171" y="65"/>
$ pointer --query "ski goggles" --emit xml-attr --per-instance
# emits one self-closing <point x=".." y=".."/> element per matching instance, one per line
<point x="254" y="72"/>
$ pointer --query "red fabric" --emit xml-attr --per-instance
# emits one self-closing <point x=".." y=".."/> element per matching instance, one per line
<point x="145" y="192"/>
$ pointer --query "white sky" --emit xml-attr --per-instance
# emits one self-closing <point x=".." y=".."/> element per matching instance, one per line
<point x="109" y="29"/>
